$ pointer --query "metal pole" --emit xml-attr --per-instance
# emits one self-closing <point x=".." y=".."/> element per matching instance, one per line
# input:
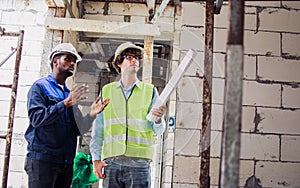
<point x="207" y="90"/>
<point x="230" y="153"/>
<point x="12" y="110"/>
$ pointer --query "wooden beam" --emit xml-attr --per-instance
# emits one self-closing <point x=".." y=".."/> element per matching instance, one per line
<point x="109" y="27"/>
<point x="55" y="3"/>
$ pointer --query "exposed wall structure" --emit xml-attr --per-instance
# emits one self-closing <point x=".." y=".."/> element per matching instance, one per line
<point x="271" y="103"/>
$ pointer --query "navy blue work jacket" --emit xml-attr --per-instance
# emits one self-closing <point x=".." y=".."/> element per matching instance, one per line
<point x="53" y="129"/>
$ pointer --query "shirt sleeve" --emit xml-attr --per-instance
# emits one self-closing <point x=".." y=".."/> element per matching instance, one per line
<point x="97" y="137"/>
<point x="158" y="128"/>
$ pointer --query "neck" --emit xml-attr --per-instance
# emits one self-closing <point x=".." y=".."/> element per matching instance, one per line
<point x="128" y="80"/>
<point x="59" y="78"/>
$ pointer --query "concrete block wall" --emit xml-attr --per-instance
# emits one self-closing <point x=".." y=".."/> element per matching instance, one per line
<point x="16" y="15"/>
<point x="270" y="130"/>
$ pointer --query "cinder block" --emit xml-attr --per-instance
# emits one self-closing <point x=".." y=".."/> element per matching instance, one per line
<point x="4" y="110"/>
<point x="168" y="158"/>
<point x="278" y="69"/>
<point x="220" y="38"/>
<point x="248" y="119"/>
<point x="190" y="89"/>
<point x="197" y="66"/>
<point x="167" y="174"/>
<point x="17" y="179"/>
<point x="186" y="170"/>
<point x="246" y="171"/>
<point x="274" y="19"/>
<point x="259" y="94"/>
<point x="30" y="63"/>
<point x="215" y="146"/>
<point x="259" y="147"/>
<point x="214" y="171"/>
<point x="219" y="65"/>
<point x="263" y="3"/>
<point x="193" y="13"/>
<point x="187" y="142"/>
<point x="185" y="185"/>
<point x="189" y="115"/>
<point x="291" y="4"/>
<point x="290" y="45"/>
<point x="20" y="125"/>
<point x="272" y="121"/>
<point x="290" y="149"/>
<point x="34" y="33"/>
<point x="250" y="67"/>
<point x="216" y="117"/>
<point x="222" y="20"/>
<point x="33" y="48"/>
<point x="27" y="78"/>
<point x="277" y="174"/>
<point x="21" y="109"/>
<point x="290" y="97"/>
<point x="262" y="43"/>
<point x="192" y="38"/>
<point x="18" y="18"/>
<point x="218" y="90"/>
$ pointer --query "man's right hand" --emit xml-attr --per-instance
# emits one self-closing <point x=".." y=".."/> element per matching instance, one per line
<point x="98" y="166"/>
<point x="76" y="95"/>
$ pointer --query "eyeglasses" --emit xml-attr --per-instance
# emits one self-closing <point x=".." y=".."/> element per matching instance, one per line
<point x="131" y="57"/>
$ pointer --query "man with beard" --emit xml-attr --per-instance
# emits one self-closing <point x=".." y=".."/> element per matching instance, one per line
<point x="55" y="122"/>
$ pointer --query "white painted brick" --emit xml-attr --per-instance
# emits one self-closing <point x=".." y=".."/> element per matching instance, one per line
<point x="246" y="171"/>
<point x="183" y="185"/>
<point x="168" y="158"/>
<point x="276" y="174"/>
<point x="259" y="147"/>
<point x="290" y="44"/>
<point x="279" y="121"/>
<point x="218" y="90"/>
<point x="291" y="4"/>
<point x="20" y="125"/>
<point x="261" y="94"/>
<point x="40" y="19"/>
<point x="33" y="48"/>
<point x="222" y="19"/>
<point x="220" y="38"/>
<point x="169" y="142"/>
<point x="250" y="67"/>
<point x="248" y="115"/>
<point x="166" y="185"/>
<point x="186" y="169"/>
<point x="17" y="179"/>
<point x="290" y="149"/>
<point x="6" y="44"/>
<point x="34" y="33"/>
<point x="189" y="115"/>
<point x="214" y="171"/>
<point x="3" y="123"/>
<point x="193" y="13"/>
<point x="218" y="65"/>
<point x="18" y="18"/>
<point x="22" y="93"/>
<point x="190" y="89"/>
<point x="261" y="43"/>
<point x="216" y="117"/>
<point x="282" y="69"/>
<point x="192" y="38"/>
<point x="165" y="24"/>
<point x="21" y="109"/>
<point x="290" y="97"/>
<point x="196" y="67"/>
<point x="33" y="5"/>
<point x="267" y="17"/>
<point x="215" y="146"/>
<point x="263" y="3"/>
<point x="187" y="142"/>
<point x="27" y="78"/>
<point x="30" y="63"/>
<point x="4" y="110"/>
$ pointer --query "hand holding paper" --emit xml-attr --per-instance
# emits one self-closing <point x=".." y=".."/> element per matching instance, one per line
<point x="173" y="82"/>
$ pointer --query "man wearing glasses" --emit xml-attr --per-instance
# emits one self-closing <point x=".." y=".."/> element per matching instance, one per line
<point x="122" y="137"/>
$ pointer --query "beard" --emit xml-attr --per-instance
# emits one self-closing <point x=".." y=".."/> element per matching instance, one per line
<point x="66" y="72"/>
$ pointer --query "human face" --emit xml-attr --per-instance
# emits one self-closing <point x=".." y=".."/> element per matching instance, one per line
<point x="130" y="63"/>
<point x="66" y="64"/>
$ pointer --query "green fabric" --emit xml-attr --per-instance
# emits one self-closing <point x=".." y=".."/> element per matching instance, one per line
<point x="83" y="174"/>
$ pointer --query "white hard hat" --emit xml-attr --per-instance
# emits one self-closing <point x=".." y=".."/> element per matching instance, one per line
<point x="125" y="46"/>
<point x="64" y="48"/>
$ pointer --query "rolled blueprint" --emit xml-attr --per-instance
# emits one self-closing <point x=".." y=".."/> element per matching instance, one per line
<point x="173" y="82"/>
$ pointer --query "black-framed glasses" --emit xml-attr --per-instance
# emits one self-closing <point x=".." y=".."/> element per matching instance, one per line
<point x="131" y="57"/>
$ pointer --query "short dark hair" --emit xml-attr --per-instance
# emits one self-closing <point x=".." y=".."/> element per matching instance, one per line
<point x="120" y="58"/>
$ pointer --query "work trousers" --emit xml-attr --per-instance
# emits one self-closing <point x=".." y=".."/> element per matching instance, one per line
<point x="124" y="172"/>
<point x="43" y="174"/>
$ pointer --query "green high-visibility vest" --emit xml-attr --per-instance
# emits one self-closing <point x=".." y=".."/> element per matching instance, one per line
<point x="126" y="129"/>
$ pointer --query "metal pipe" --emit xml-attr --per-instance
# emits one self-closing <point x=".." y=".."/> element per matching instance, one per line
<point x="230" y="153"/>
<point x="207" y="88"/>
<point x="9" y="55"/>
<point x="12" y="110"/>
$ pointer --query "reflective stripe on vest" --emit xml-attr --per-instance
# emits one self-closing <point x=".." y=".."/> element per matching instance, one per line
<point x="126" y="129"/>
